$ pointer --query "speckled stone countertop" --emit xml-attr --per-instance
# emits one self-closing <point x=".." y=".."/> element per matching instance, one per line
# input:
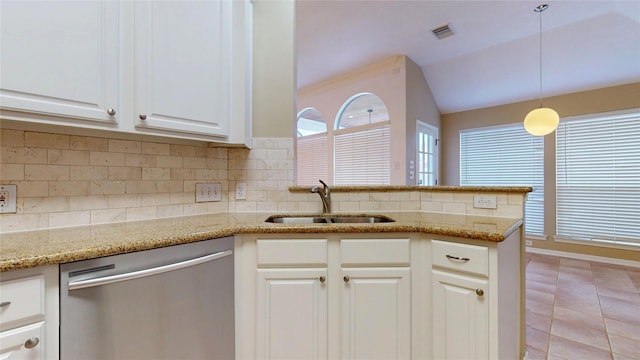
<point x="29" y="249"/>
<point x="438" y="188"/>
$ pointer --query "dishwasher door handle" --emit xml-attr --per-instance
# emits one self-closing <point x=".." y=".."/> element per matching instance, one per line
<point x="81" y="284"/>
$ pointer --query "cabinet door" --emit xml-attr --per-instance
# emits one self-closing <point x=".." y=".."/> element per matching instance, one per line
<point x="291" y="314"/>
<point x="25" y="342"/>
<point x="182" y="65"/>
<point x="460" y="317"/>
<point x="376" y="313"/>
<point x="59" y="58"/>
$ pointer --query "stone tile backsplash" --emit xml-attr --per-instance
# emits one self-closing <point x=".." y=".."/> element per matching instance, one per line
<point x="67" y="180"/>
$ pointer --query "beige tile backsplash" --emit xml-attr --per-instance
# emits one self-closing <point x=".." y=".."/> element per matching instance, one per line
<point x="67" y="180"/>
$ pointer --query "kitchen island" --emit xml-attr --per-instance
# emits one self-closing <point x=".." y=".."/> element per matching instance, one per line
<point x="407" y="289"/>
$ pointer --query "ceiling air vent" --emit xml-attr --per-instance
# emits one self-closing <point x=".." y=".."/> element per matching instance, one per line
<point x="442" y="32"/>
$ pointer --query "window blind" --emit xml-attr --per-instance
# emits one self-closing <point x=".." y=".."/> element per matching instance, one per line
<point x="311" y="159"/>
<point x="362" y="157"/>
<point x="598" y="179"/>
<point x="506" y="156"/>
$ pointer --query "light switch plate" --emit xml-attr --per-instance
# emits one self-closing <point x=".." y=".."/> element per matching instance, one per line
<point x="241" y="191"/>
<point x="208" y="192"/>
<point x="484" y="201"/>
<point x="7" y="199"/>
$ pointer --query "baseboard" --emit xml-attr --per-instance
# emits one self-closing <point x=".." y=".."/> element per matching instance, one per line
<point x="571" y="255"/>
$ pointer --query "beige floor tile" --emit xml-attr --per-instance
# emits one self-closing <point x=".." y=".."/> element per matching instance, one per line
<point x="535" y="354"/>
<point x="623" y="357"/>
<point x="613" y="279"/>
<point x="582" y="334"/>
<point x="625" y="346"/>
<point x="546" y="279"/>
<point x="538" y="322"/>
<point x="570" y="349"/>
<point x="543" y="287"/>
<point x="539" y="296"/>
<point x="623" y="310"/>
<point x="622" y="328"/>
<point x="619" y="294"/>
<point x="575" y="263"/>
<point x="537" y="339"/>
<point x="590" y="320"/>
<point x="539" y="308"/>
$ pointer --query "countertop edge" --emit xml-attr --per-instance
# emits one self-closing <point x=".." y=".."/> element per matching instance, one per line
<point x="222" y="230"/>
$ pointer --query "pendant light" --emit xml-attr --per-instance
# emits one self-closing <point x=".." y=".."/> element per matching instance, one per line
<point x="541" y="121"/>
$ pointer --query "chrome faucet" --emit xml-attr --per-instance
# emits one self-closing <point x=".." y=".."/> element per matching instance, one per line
<point x="325" y="196"/>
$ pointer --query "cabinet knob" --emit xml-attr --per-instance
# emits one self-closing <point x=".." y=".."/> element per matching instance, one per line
<point x="479" y="292"/>
<point x="143" y="116"/>
<point x="322" y="279"/>
<point x="346" y="279"/>
<point x="31" y="343"/>
<point x="111" y="111"/>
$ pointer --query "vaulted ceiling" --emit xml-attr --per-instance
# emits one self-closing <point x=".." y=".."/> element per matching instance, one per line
<point x="493" y="58"/>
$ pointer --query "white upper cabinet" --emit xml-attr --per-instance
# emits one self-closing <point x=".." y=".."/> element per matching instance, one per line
<point x="168" y="68"/>
<point x="60" y="58"/>
<point x="186" y="65"/>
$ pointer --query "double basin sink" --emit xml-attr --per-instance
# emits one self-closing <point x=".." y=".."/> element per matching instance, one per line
<point x="329" y="219"/>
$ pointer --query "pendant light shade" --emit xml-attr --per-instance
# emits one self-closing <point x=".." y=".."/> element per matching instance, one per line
<point x="541" y="121"/>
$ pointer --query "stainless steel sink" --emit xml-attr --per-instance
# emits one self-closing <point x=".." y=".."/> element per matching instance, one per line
<point x="329" y="219"/>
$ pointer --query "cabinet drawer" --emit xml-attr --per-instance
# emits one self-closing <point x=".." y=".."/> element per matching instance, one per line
<point x="375" y="252"/>
<point x="21" y="299"/>
<point x="25" y="342"/>
<point x="461" y="257"/>
<point x="303" y="252"/>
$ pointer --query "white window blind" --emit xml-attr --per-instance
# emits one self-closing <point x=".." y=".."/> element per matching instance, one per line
<point x="311" y="159"/>
<point x="598" y="179"/>
<point x="362" y="157"/>
<point x="506" y="156"/>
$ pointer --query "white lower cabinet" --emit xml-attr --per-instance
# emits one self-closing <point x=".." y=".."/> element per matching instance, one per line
<point x="291" y="314"/>
<point x="460" y="317"/>
<point x="376" y="313"/>
<point x="324" y="298"/>
<point x="26" y="342"/>
<point x="378" y="296"/>
<point x="29" y="314"/>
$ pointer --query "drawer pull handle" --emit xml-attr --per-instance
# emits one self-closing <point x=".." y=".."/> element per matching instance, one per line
<point x="5" y="304"/>
<point x="479" y="292"/>
<point x="31" y="343"/>
<point x="457" y="258"/>
<point x="346" y="279"/>
<point x="322" y="279"/>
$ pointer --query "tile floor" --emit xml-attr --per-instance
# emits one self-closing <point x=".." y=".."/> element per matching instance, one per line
<point x="578" y="309"/>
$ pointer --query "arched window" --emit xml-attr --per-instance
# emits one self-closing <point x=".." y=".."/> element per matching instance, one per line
<point x="311" y="147"/>
<point x="362" y="142"/>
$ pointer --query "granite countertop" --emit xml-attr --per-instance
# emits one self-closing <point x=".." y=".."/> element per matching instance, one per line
<point x="29" y="249"/>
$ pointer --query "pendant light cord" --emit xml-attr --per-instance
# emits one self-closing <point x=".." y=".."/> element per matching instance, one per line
<point x="539" y="9"/>
<point x="540" y="54"/>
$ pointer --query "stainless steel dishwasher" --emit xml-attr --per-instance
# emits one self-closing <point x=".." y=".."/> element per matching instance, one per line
<point x="175" y="302"/>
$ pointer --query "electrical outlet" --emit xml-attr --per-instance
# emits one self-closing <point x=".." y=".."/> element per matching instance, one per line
<point x="528" y="243"/>
<point x="208" y="192"/>
<point x="484" y="201"/>
<point x="7" y="199"/>
<point x="241" y="191"/>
